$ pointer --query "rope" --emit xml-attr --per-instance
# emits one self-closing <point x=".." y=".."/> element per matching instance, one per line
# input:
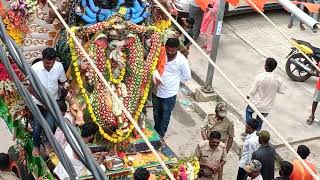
<point x="295" y="44"/>
<point x="126" y="112"/>
<point x="52" y="106"/>
<point x="237" y="90"/>
<point x="291" y="41"/>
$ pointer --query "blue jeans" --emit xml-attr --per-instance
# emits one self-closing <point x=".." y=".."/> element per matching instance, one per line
<point x="162" y="108"/>
<point x="249" y="112"/>
<point x="37" y="129"/>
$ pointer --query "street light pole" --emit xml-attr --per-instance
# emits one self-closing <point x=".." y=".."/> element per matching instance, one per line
<point x="207" y="88"/>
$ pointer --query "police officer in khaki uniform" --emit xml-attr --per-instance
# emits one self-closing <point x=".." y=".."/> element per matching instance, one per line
<point x="219" y="122"/>
<point x="212" y="156"/>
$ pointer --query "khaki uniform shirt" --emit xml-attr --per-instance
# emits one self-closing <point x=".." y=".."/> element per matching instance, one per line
<point x="224" y="127"/>
<point x="207" y="155"/>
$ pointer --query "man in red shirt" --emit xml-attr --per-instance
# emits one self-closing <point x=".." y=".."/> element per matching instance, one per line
<point x="299" y="172"/>
<point x="316" y="99"/>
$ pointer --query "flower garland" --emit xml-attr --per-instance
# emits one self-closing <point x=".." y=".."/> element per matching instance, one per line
<point x="9" y="94"/>
<point x="136" y="60"/>
<point x="138" y="68"/>
<point x="185" y="169"/>
<point x="111" y="77"/>
<point x="114" y="138"/>
<point x="17" y="17"/>
<point x="163" y="25"/>
<point x="74" y="60"/>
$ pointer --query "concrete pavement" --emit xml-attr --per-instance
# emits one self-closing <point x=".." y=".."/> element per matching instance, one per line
<point x="241" y="61"/>
<point x="267" y="41"/>
<point x="184" y="134"/>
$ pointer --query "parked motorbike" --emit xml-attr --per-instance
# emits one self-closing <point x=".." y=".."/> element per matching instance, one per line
<point x="298" y="68"/>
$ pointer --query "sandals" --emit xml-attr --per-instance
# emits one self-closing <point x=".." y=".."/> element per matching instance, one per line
<point x="310" y="120"/>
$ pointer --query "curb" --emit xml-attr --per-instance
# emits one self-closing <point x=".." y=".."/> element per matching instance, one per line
<point x="237" y="117"/>
<point x="234" y="115"/>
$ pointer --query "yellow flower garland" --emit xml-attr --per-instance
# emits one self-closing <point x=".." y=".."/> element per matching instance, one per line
<point x="113" y="138"/>
<point x="162" y="25"/>
<point x="111" y="77"/>
<point x="74" y="60"/>
<point x="196" y="165"/>
<point x="146" y="91"/>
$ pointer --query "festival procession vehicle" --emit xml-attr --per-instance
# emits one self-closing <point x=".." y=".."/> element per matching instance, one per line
<point x="126" y="45"/>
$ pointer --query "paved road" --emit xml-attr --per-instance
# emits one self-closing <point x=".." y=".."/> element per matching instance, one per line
<point x="266" y="40"/>
<point x="244" y="42"/>
<point x="183" y="133"/>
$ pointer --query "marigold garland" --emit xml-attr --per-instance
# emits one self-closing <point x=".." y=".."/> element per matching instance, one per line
<point x="111" y="77"/>
<point x="162" y="25"/>
<point x="74" y="60"/>
<point x="119" y="135"/>
<point x="96" y="106"/>
<point x="16" y="18"/>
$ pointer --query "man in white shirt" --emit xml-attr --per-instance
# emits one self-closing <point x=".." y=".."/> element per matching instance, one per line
<point x="253" y="170"/>
<point x="250" y="145"/>
<point x="88" y="132"/>
<point x="167" y="86"/>
<point x="51" y="74"/>
<point x="264" y="90"/>
<point x="197" y="14"/>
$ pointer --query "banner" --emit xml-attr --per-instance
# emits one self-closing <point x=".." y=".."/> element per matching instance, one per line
<point x="203" y="4"/>
<point x="313" y="8"/>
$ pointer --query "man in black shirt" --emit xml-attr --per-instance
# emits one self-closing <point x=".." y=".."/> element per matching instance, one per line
<point x="285" y="171"/>
<point x="266" y="155"/>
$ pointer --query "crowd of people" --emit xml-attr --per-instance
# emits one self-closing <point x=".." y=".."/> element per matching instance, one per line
<point x="258" y="156"/>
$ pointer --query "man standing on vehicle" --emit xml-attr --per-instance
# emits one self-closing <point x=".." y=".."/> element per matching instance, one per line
<point x="51" y="74"/>
<point x="263" y="92"/>
<point x="266" y="155"/>
<point x="212" y="156"/>
<point x="88" y="133"/>
<point x="176" y="70"/>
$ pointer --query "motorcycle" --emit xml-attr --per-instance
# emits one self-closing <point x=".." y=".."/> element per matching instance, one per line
<point x="298" y="68"/>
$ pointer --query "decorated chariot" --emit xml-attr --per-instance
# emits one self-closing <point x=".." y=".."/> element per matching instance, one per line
<point x="125" y="40"/>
